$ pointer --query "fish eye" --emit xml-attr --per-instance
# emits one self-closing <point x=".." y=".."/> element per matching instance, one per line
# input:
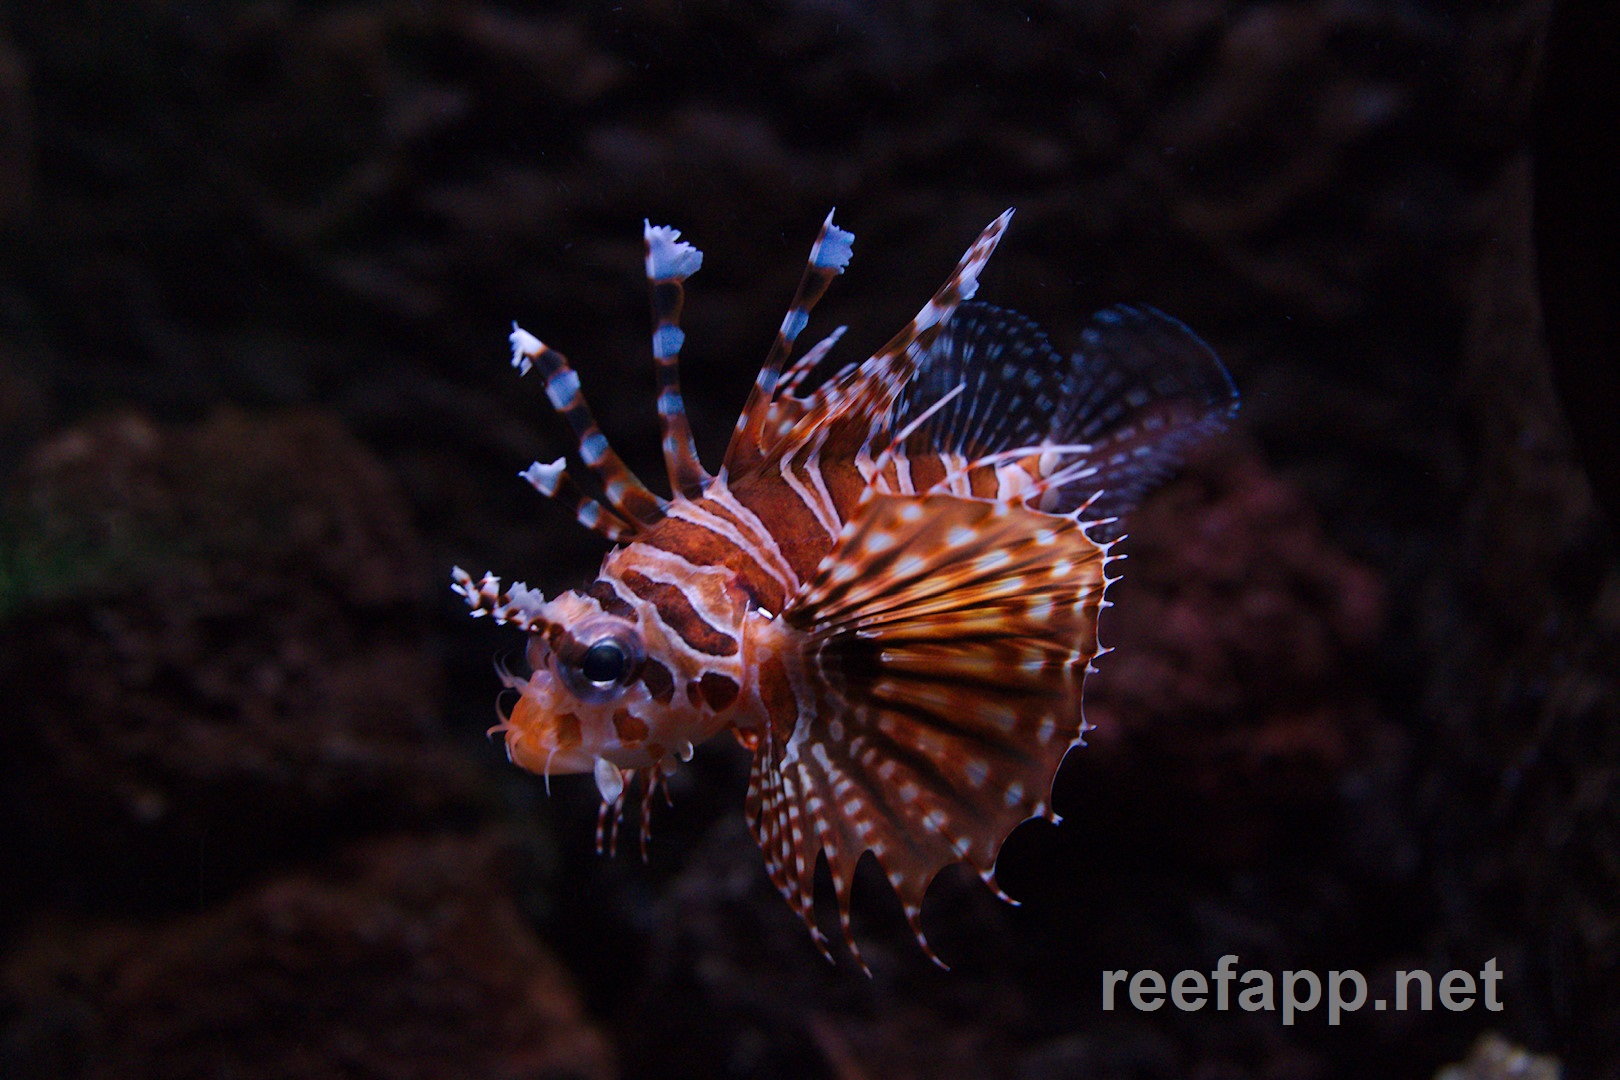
<point x="600" y="658"/>
<point x="605" y="662"/>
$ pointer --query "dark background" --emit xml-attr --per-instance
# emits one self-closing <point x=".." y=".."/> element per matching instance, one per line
<point x="257" y="266"/>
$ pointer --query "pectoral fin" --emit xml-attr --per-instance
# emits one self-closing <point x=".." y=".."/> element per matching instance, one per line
<point x="946" y="640"/>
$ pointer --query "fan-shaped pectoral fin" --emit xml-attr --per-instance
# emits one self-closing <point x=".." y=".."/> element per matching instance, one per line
<point x="951" y="637"/>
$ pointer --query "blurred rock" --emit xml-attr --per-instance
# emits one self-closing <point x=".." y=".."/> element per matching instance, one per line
<point x="402" y="958"/>
<point x="1235" y="693"/>
<point x="24" y="409"/>
<point x="1525" y="800"/>
<point x="1494" y="1058"/>
<point x="16" y="137"/>
<point x="214" y="655"/>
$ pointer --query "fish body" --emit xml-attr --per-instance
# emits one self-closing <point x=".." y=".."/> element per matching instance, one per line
<point x="889" y="592"/>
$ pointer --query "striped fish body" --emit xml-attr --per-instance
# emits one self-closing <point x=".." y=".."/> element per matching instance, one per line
<point x="890" y="591"/>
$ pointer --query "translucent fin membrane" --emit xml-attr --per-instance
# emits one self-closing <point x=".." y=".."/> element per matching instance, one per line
<point x="1009" y="380"/>
<point x="1108" y="423"/>
<point x="1146" y="390"/>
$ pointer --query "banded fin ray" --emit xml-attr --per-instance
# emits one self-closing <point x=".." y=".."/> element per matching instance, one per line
<point x="670" y="261"/>
<point x="868" y="391"/>
<point x="829" y="255"/>
<point x="1013" y="382"/>
<point x="623" y="493"/>
<point x="949" y="638"/>
<point x="788" y="407"/>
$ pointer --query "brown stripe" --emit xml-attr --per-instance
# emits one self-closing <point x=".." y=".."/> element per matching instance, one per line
<point x="718" y="690"/>
<point x="659" y="682"/>
<point x="701" y="547"/>
<point x="776" y="691"/>
<point x="792" y="524"/>
<point x="679" y="615"/>
<point x="926" y="471"/>
<point x="666" y="301"/>
<point x="844" y="481"/>
<point x="603" y="594"/>
<point x="983" y="482"/>
<point x="630" y="729"/>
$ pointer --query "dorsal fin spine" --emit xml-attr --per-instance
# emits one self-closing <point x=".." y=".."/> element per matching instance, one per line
<point x="828" y="257"/>
<point x="669" y="263"/>
<point x="625" y="495"/>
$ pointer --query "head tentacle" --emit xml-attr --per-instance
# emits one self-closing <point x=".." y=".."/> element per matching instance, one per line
<point x="521" y="606"/>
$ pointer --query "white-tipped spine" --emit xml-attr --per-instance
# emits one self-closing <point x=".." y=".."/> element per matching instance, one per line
<point x="546" y="478"/>
<point x="834" y="247"/>
<point x="668" y="256"/>
<point x="525" y="347"/>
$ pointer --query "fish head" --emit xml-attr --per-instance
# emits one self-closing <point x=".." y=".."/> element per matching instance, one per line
<point x="613" y="686"/>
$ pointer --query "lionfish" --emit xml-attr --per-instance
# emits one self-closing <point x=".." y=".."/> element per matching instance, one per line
<point x="888" y="593"/>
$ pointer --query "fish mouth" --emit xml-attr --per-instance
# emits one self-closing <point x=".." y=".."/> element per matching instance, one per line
<point x="538" y="746"/>
<point x="547" y="760"/>
<point x="544" y="741"/>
